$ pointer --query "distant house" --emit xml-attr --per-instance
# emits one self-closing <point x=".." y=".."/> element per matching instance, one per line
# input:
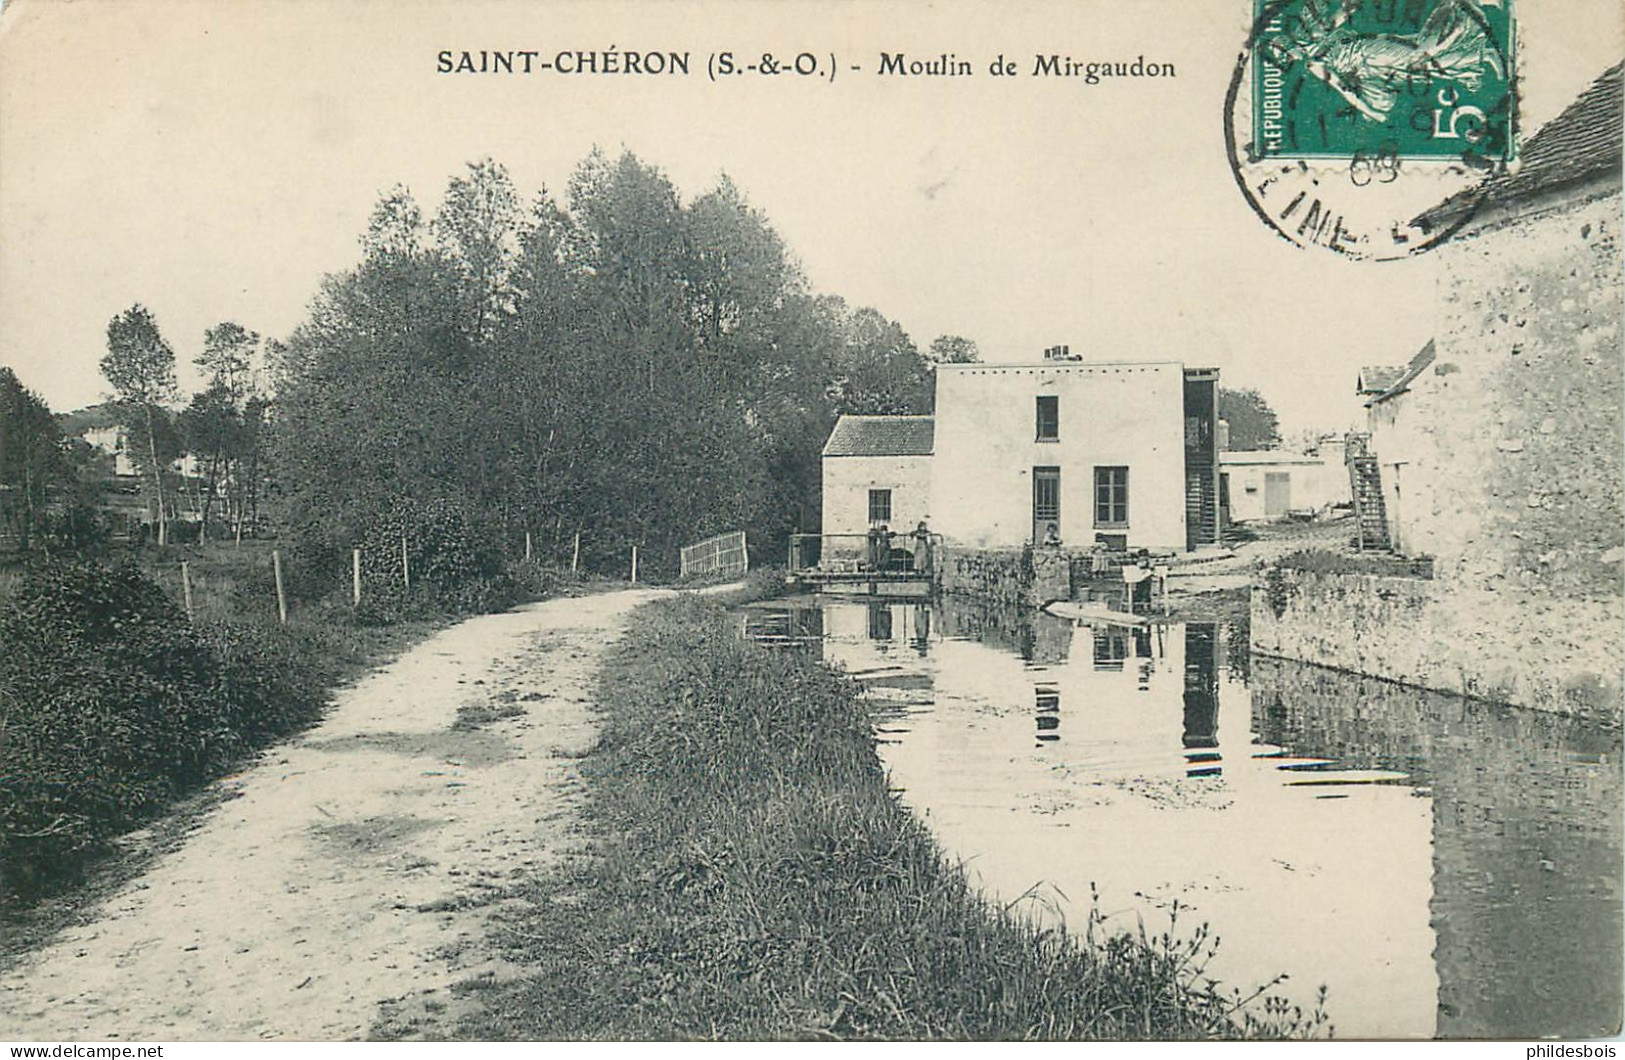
<point x="1267" y="484"/>
<point x="877" y="471"/>
<point x="1119" y="454"/>
<point x="1398" y="441"/>
<point x="1373" y="379"/>
<point x="99" y="427"/>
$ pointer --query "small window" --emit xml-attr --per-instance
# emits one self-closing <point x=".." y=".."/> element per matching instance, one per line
<point x="879" y="506"/>
<point x="1111" y="496"/>
<point x="1049" y="419"/>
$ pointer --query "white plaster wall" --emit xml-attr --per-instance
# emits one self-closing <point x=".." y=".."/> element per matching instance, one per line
<point x="1123" y="414"/>
<point x="1315" y="484"/>
<point x="1402" y="460"/>
<point x="847" y="482"/>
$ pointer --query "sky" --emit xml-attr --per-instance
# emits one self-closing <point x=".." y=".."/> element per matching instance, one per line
<point x="213" y="160"/>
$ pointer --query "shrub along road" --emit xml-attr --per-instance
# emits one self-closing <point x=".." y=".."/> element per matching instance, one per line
<point x="358" y="864"/>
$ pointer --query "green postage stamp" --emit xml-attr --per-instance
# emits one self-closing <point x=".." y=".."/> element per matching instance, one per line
<point x="1350" y="122"/>
<point x="1405" y="79"/>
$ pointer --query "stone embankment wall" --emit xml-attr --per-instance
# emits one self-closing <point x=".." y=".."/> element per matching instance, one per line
<point x="1003" y="575"/>
<point x="1026" y="577"/>
<point x="1531" y="650"/>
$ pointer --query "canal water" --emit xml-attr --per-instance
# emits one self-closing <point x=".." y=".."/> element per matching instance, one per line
<point x="1443" y="867"/>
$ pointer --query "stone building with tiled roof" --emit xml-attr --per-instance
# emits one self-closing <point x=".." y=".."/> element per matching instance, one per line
<point x="1575" y="155"/>
<point x="877" y="472"/>
<point x="880" y="436"/>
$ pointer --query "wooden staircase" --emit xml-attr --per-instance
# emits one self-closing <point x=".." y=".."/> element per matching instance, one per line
<point x="1201" y="509"/>
<point x="1365" y="484"/>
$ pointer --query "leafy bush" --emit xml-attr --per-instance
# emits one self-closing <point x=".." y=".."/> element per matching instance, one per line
<point x="1322" y="561"/>
<point x="111" y="703"/>
<point x="452" y="568"/>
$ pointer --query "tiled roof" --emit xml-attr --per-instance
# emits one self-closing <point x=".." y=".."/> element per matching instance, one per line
<point x="1580" y="144"/>
<point x="881" y="436"/>
<point x="1375" y="378"/>
<point x="1419" y="363"/>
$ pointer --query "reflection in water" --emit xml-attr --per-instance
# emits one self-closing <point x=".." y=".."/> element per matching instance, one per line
<point x="1526" y="841"/>
<point x="1444" y="867"/>
<point x="1200" y="738"/>
<point x="1047" y="704"/>
<point x="880" y="624"/>
<point x="1111" y="648"/>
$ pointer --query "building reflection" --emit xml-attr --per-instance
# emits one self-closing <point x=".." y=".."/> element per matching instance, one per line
<point x="880" y="620"/>
<point x="1526" y="896"/>
<point x="1201" y="730"/>
<point x="1517" y="837"/>
<point x="1047" y="711"/>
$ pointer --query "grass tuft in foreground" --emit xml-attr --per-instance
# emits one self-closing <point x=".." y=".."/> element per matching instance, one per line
<point x="751" y="877"/>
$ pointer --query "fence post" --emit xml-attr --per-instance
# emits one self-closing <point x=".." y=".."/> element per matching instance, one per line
<point x="281" y="594"/>
<point x="575" y="554"/>
<point x="406" y="567"/>
<point x="634" y="563"/>
<point x="527" y="546"/>
<point x="186" y="587"/>
<point x="355" y="576"/>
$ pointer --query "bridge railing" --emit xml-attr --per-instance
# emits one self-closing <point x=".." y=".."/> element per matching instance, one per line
<point x="842" y="553"/>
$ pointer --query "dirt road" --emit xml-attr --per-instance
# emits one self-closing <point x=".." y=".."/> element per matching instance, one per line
<point x="356" y="865"/>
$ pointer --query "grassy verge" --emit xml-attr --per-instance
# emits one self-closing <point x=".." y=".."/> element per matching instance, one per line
<point x="1323" y="561"/>
<point x="752" y="878"/>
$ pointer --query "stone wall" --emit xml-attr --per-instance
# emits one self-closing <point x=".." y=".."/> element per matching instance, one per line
<point x="1027" y="577"/>
<point x="846" y="486"/>
<point x="1510" y="476"/>
<point x="1000" y="575"/>
<point x="1516" y="479"/>
<point x="1504" y="646"/>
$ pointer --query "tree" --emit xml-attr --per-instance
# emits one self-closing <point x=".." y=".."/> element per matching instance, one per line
<point x="32" y="459"/>
<point x="623" y="363"/>
<point x="1252" y="422"/>
<point x="140" y="365"/>
<point x="212" y="426"/>
<point x="880" y="370"/>
<point x="477" y="229"/>
<point x="953" y="349"/>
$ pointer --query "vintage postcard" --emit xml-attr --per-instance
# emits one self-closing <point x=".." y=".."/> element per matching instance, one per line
<point x="821" y="520"/>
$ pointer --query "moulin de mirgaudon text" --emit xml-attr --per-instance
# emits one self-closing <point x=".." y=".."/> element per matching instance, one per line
<point x="657" y="62"/>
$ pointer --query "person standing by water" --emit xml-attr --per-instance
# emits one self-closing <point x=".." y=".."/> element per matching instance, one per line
<point x="922" y="549"/>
